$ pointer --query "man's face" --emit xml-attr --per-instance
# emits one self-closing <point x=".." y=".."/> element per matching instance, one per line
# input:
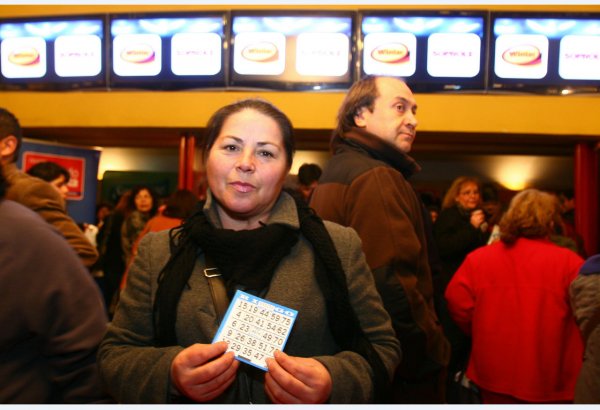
<point x="394" y="114"/>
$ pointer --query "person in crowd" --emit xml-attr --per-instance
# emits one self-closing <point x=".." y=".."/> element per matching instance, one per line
<point x="52" y="315"/>
<point x="585" y="300"/>
<point x="103" y="210"/>
<point x="54" y="174"/>
<point x="567" y="227"/>
<point x="342" y="348"/>
<point x="144" y="204"/>
<point x="308" y="176"/>
<point x="111" y="264"/>
<point x="178" y="207"/>
<point x="512" y="298"/>
<point x="461" y="226"/>
<point x="37" y="194"/>
<point x="459" y="229"/>
<point x="365" y="186"/>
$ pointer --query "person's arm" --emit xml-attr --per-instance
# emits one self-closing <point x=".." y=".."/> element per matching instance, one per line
<point x="133" y="369"/>
<point x="43" y="199"/>
<point x="461" y="298"/>
<point x="66" y="311"/>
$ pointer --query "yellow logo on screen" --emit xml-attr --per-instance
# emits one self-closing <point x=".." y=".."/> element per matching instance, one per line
<point x="138" y="54"/>
<point x="392" y="53"/>
<point x="523" y="55"/>
<point x="24" y="56"/>
<point x="261" y="52"/>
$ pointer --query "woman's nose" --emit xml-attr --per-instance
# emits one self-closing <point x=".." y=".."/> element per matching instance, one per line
<point x="246" y="162"/>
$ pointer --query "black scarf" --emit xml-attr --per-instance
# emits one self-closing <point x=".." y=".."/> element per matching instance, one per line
<point x="329" y="273"/>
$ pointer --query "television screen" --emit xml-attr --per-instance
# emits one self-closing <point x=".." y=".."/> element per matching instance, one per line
<point x="167" y="51"/>
<point x="52" y="53"/>
<point x="431" y="51"/>
<point x="547" y="53"/>
<point x="292" y="50"/>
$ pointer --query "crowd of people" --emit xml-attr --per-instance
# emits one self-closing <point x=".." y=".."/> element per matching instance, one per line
<point x="399" y="300"/>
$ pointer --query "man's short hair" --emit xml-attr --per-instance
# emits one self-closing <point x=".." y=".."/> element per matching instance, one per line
<point x="49" y="171"/>
<point x="308" y="173"/>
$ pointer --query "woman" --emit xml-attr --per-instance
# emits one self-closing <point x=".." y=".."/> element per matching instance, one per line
<point x="512" y="297"/>
<point x="158" y="348"/>
<point x="179" y="206"/>
<point x="460" y="227"/>
<point x="458" y="230"/>
<point x="144" y="203"/>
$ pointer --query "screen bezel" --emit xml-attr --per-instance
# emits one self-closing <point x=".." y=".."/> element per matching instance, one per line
<point x="169" y="81"/>
<point x="424" y="82"/>
<point x="51" y="81"/>
<point x="539" y="86"/>
<point x="276" y="83"/>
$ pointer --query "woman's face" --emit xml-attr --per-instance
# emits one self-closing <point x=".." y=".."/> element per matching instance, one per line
<point x="468" y="196"/>
<point x="143" y="201"/>
<point x="246" y="168"/>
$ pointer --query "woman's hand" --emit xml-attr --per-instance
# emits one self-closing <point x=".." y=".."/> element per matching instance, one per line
<point x="477" y="218"/>
<point x="296" y="380"/>
<point x="202" y="372"/>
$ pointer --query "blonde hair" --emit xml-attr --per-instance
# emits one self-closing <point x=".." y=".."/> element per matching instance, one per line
<point x="450" y="197"/>
<point x="531" y="214"/>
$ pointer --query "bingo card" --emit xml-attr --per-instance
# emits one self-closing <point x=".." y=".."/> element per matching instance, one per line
<point x="255" y="328"/>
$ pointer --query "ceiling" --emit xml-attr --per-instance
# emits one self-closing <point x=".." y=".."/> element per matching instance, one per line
<point x="430" y="143"/>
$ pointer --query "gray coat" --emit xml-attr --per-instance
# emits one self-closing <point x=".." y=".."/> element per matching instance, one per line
<point x="137" y="372"/>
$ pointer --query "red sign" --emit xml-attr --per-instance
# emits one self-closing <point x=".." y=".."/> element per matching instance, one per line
<point x="75" y="166"/>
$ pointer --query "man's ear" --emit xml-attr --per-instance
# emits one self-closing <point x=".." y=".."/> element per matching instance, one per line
<point x="8" y="147"/>
<point x="359" y="118"/>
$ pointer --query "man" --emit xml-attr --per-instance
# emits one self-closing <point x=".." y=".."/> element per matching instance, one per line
<point x="364" y="185"/>
<point x="36" y="194"/>
<point x="52" y="314"/>
<point x="54" y="174"/>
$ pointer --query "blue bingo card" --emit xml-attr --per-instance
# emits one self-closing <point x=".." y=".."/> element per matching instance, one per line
<point x="255" y="328"/>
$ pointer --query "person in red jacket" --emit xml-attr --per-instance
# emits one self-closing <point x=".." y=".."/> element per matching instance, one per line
<point x="512" y="297"/>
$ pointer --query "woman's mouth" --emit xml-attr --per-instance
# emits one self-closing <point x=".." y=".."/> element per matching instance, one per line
<point x="242" y="187"/>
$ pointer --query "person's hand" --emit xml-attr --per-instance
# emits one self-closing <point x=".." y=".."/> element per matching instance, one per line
<point x="202" y="372"/>
<point x="477" y="218"/>
<point x="296" y="380"/>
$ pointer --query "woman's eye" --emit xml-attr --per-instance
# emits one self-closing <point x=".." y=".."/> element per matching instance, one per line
<point x="230" y="147"/>
<point x="266" y="154"/>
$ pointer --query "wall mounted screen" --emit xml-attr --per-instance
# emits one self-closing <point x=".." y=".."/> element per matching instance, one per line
<point x="547" y="53"/>
<point x="292" y="50"/>
<point x="167" y="51"/>
<point x="432" y="51"/>
<point x="52" y="53"/>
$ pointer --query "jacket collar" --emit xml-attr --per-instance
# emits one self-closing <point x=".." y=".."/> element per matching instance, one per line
<point x="377" y="148"/>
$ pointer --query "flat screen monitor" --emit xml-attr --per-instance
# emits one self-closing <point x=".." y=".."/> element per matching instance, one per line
<point x="432" y="51"/>
<point x="167" y="51"/>
<point x="292" y="50"/>
<point x="548" y="53"/>
<point x="52" y="53"/>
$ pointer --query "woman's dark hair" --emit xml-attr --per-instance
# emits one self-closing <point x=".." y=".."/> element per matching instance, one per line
<point x="136" y="190"/>
<point x="49" y="171"/>
<point x="215" y="124"/>
<point x="180" y="204"/>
